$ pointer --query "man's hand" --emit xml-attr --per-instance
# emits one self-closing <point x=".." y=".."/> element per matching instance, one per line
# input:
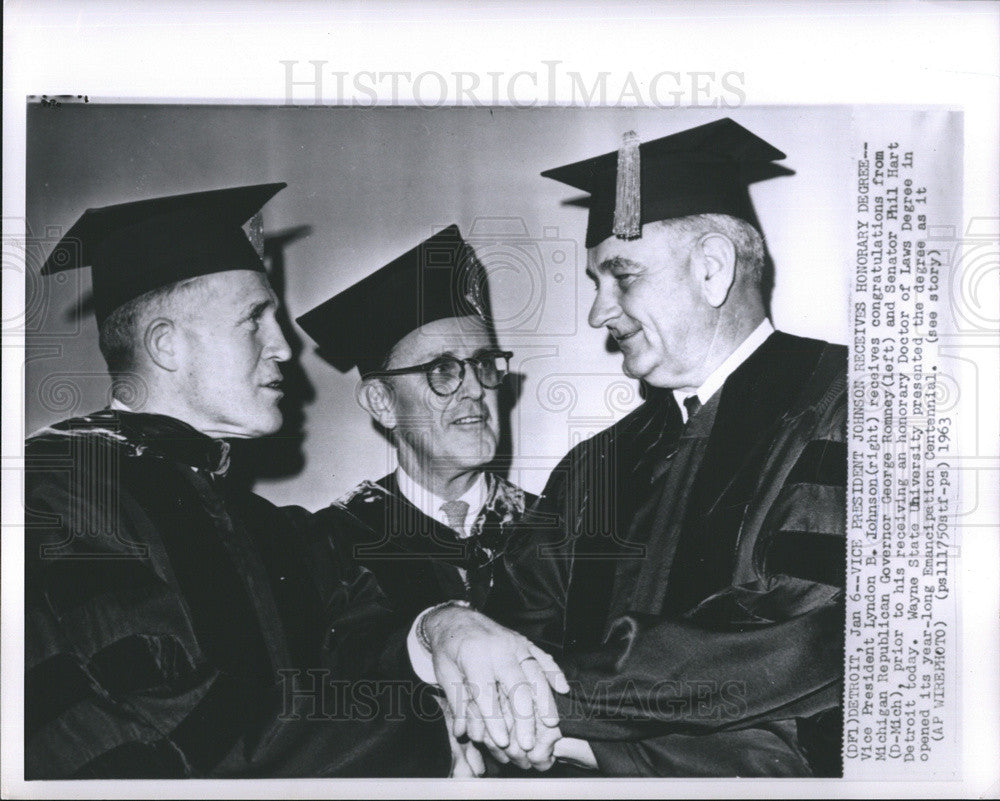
<point x="540" y="758"/>
<point x="576" y="752"/>
<point x="466" y="761"/>
<point x="497" y="682"/>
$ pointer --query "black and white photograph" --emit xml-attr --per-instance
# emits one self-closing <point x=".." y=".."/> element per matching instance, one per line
<point x="475" y="444"/>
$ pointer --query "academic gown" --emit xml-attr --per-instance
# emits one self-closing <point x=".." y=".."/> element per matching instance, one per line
<point x="168" y="616"/>
<point x="690" y="577"/>
<point x="418" y="561"/>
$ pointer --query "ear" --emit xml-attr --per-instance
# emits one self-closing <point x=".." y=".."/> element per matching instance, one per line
<point x="376" y="398"/>
<point x="716" y="267"/>
<point x="160" y="339"/>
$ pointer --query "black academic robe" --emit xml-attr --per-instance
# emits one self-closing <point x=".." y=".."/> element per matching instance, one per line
<point x="170" y="619"/>
<point x="418" y="561"/>
<point x="690" y="577"/>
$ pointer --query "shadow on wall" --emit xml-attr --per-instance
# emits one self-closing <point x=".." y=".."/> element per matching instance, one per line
<point x="509" y="395"/>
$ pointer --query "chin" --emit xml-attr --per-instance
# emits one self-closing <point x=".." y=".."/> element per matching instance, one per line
<point x="478" y="459"/>
<point x="664" y="380"/>
<point x="633" y="370"/>
<point x="272" y="427"/>
<point x="261" y="426"/>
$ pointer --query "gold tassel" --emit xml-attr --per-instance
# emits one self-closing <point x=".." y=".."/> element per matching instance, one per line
<point x="628" y="219"/>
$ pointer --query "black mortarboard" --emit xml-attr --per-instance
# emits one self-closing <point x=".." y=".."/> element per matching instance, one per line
<point x="703" y="170"/>
<point x="133" y="248"/>
<point x="441" y="277"/>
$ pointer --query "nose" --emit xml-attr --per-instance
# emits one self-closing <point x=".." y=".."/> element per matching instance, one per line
<point x="277" y="346"/>
<point x="471" y="388"/>
<point x="603" y="309"/>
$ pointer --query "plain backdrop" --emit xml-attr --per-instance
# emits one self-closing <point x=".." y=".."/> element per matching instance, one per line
<point x="366" y="184"/>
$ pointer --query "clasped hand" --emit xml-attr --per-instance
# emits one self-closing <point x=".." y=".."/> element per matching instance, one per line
<point x="497" y="685"/>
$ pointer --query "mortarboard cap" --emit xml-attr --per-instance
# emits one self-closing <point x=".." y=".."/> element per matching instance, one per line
<point x="703" y="170"/>
<point x="439" y="278"/>
<point x="133" y="248"/>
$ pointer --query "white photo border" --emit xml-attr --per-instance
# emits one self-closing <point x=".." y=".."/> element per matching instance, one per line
<point x="900" y="53"/>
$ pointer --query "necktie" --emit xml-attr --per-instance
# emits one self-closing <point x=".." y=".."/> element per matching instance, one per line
<point x="692" y="404"/>
<point x="476" y="574"/>
<point x="455" y="512"/>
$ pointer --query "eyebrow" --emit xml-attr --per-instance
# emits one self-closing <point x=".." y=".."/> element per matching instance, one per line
<point x="612" y="264"/>
<point x="451" y="354"/>
<point x="258" y="308"/>
<point x="433" y="357"/>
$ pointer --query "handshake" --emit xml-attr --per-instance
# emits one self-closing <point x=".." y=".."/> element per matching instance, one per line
<point x="497" y="689"/>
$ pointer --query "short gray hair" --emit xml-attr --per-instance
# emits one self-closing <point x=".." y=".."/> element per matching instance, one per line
<point x="121" y="332"/>
<point x="747" y="240"/>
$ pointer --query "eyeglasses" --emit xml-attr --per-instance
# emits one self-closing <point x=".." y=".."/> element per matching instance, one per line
<point x="445" y="374"/>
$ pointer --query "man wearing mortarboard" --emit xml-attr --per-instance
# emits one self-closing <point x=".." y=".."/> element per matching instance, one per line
<point x="702" y="633"/>
<point x="420" y="333"/>
<point x="168" y="610"/>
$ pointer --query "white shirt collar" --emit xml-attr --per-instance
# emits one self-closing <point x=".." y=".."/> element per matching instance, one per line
<point x="718" y="376"/>
<point x="118" y="406"/>
<point x="430" y="504"/>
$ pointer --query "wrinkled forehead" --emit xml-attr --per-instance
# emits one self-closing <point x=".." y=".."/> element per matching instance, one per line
<point x="228" y="293"/>
<point x="456" y="336"/>
<point x="657" y="242"/>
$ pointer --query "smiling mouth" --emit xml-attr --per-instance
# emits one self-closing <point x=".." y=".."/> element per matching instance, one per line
<point x="469" y="420"/>
<point x="623" y="337"/>
<point x="275" y="385"/>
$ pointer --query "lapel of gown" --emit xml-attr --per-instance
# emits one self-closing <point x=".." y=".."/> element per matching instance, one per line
<point x="402" y="531"/>
<point x="729" y="435"/>
<point x="656" y="523"/>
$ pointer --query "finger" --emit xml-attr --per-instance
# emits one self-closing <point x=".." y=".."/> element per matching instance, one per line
<point x="541" y="765"/>
<point x="456" y="693"/>
<point x="497" y="753"/>
<point x="480" y="679"/>
<point x="522" y="700"/>
<point x="514" y="751"/>
<point x="520" y="694"/>
<point x="505" y="710"/>
<point x="545" y="704"/>
<point x="475" y="760"/>
<point x="520" y="758"/>
<point x="542" y="756"/>
<point x="540" y="760"/>
<point x="475" y="726"/>
<point x="446" y="713"/>
<point x="493" y="716"/>
<point x="460" y="768"/>
<point x="553" y="674"/>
